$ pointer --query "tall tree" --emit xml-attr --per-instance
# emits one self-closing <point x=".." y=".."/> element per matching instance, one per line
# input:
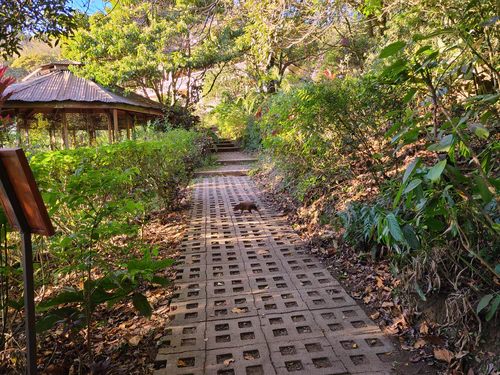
<point x="41" y="19"/>
<point x="152" y="46"/>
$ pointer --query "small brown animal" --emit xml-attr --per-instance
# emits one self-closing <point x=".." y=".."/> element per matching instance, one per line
<point x="246" y="206"/>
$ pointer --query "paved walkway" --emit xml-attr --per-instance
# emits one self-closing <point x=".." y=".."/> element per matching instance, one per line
<point x="249" y="300"/>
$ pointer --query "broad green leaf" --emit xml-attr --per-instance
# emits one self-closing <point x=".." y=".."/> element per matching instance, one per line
<point x="459" y="176"/>
<point x="497" y="268"/>
<point x="415" y="163"/>
<point x="392" y="49"/>
<point x="411" y="237"/>
<point x="65" y="242"/>
<point x="483" y="189"/>
<point x="49" y="320"/>
<point x="412" y="185"/>
<point x="443" y="145"/>
<point x="479" y="130"/>
<point x="422" y="49"/>
<point x="419" y="291"/>
<point x="393" y="128"/>
<point x="435" y="172"/>
<point x="160" y="280"/>
<point x="418" y="37"/>
<point x="142" y="305"/>
<point x="434" y="224"/>
<point x="60" y="299"/>
<point x="160" y="264"/>
<point x="484" y="302"/>
<point x="394" y="228"/>
<point x="398" y="197"/>
<point x="493" y="308"/>
<point x="409" y="95"/>
<point x="46" y="322"/>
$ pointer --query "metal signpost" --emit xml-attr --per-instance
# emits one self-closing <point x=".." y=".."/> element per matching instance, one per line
<point x="26" y="212"/>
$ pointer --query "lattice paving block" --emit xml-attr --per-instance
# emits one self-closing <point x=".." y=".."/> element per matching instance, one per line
<point x="228" y="287"/>
<point x="255" y="244"/>
<point x="188" y="259"/>
<point x="340" y="322"/>
<point x="285" y="240"/>
<point x="328" y="297"/>
<point x="222" y="245"/>
<point x="301" y="265"/>
<point x="193" y="235"/>
<point x="271" y="283"/>
<point x="183" y="338"/>
<point x="275" y="302"/>
<point x="310" y="345"/>
<point x="187" y="312"/>
<point x="234" y="307"/>
<point x="239" y="227"/>
<point x="364" y="353"/>
<point x="190" y="273"/>
<point x="247" y="360"/>
<point x="310" y="356"/>
<point x="226" y="271"/>
<point x="187" y="363"/>
<point x="222" y="227"/>
<point x="189" y="291"/>
<point x="293" y="326"/>
<point x="222" y="257"/>
<point x="219" y="235"/>
<point x="286" y="252"/>
<point x="251" y="233"/>
<point x="262" y="254"/>
<point x="192" y="247"/>
<point x="267" y="267"/>
<point x="313" y="279"/>
<point x="231" y="333"/>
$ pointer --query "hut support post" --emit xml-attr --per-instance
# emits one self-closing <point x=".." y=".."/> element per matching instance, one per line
<point x="110" y="134"/>
<point x="115" y="119"/>
<point x="65" y="131"/>
<point x="129" y="120"/>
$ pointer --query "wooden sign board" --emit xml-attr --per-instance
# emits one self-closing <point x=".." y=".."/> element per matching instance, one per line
<point x="23" y="183"/>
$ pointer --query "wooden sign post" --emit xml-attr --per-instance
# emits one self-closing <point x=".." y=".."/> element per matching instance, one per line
<point x="26" y="212"/>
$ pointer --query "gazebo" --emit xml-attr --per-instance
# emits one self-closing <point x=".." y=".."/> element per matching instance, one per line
<point x="54" y="90"/>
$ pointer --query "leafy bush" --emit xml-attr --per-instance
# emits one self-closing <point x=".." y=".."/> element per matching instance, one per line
<point x="93" y="197"/>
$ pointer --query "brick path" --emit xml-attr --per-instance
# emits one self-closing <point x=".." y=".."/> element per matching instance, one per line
<point x="249" y="300"/>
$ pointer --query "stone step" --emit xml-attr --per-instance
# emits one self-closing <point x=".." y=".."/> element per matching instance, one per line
<point x="225" y="149"/>
<point x="222" y="172"/>
<point x="237" y="161"/>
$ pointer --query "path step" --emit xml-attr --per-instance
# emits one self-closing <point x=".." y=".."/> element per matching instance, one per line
<point x="225" y="149"/>
<point x="251" y="300"/>
<point x="237" y="161"/>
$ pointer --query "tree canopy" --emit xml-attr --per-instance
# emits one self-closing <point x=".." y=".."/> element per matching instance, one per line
<point x="41" y="19"/>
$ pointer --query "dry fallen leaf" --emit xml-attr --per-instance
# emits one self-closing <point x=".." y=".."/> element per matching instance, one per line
<point x="367" y="299"/>
<point x="424" y="328"/>
<point x="419" y="344"/>
<point x="380" y="283"/>
<point x="388" y="304"/>
<point x="238" y="311"/>
<point x="375" y="316"/>
<point x="181" y="363"/>
<point x="262" y="252"/>
<point x="227" y="362"/>
<point x="134" y="340"/>
<point x="443" y="355"/>
<point x="249" y="357"/>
